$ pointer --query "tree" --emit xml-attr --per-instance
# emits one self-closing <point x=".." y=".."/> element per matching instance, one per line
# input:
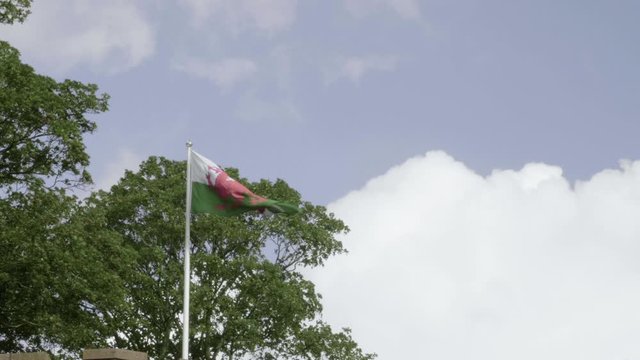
<point x="42" y="122"/>
<point x="109" y="272"/>
<point x="248" y="296"/>
<point x="14" y="10"/>
<point x="56" y="283"/>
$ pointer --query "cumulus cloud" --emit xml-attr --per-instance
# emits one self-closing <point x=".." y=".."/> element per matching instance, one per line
<point x="447" y="264"/>
<point x="107" y="36"/>
<point x="240" y="15"/>
<point x="408" y="9"/>
<point x="356" y="67"/>
<point x="224" y="73"/>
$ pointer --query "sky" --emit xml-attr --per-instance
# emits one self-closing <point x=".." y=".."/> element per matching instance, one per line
<point x="499" y="138"/>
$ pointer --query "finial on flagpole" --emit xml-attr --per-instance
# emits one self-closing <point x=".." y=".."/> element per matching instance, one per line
<point x="189" y="143"/>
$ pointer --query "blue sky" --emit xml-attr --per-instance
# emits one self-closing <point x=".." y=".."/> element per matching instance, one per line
<point x="481" y="250"/>
<point x="297" y="89"/>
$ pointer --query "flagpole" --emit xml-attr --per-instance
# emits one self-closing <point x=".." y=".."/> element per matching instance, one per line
<point x="187" y="261"/>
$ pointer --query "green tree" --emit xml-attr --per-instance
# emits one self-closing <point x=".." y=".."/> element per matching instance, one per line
<point x="42" y="124"/>
<point x="14" y="10"/>
<point x="248" y="296"/>
<point x="57" y="285"/>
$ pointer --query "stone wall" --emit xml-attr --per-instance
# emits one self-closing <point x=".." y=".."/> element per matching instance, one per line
<point x="87" y="354"/>
<point x="26" y="356"/>
<point x="113" y="354"/>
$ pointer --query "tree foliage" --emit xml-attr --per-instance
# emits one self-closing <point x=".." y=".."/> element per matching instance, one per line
<point x="42" y="123"/>
<point x="14" y="10"/>
<point x="56" y="283"/>
<point x="248" y="297"/>
<point x="108" y="271"/>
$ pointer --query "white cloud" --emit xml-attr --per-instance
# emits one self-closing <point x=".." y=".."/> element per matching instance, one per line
<point x="114" y="170"/>
<point x="355" y="68"/>
<point x="281" y="64"/>
<point x="240" y="15"/>
<point x="408" y="9"/>
<point x="447" y="264"/>
<point x="272" y="98"/>
<point x="224" y="73"/>
<point x="272" y="109"/>
<point x="107" y="36"/>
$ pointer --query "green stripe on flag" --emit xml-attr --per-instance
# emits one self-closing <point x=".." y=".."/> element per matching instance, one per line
<point x="204" y="200"/>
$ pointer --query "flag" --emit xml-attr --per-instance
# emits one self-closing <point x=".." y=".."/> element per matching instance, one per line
<point x="215" y="192"/>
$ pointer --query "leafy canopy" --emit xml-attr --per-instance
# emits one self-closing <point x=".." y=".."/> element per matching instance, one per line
<point x="42" y="123"/>
<point x="56" y="274"/>
<point x="108" y="272"/>
<point x="56" y="284"/>
<point x="248" y="296"/>
<point x="14" y="10"/>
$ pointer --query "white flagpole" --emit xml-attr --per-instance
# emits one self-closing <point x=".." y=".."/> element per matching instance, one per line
<point x="187" y="261"/>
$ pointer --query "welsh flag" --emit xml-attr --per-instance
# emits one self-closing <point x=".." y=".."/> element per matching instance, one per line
<point x="213" y="191"/>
